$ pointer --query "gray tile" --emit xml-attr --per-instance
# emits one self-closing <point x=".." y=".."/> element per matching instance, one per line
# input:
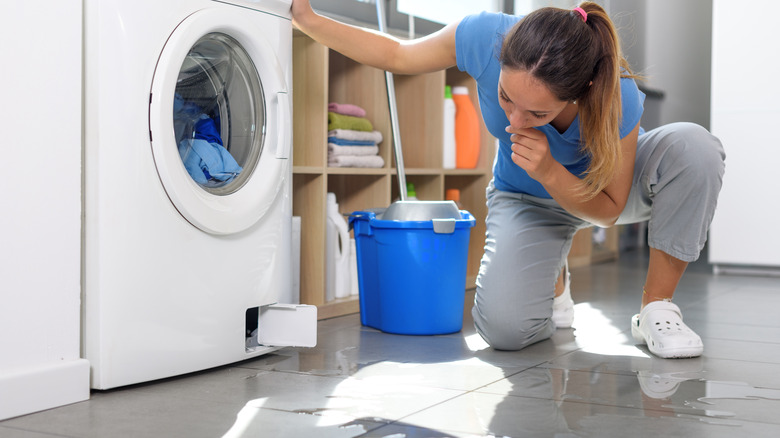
<point x="458" y="361"/>
<point x="234" y="385"/>
<point x="759" y="374"/>
<point x="8" y="432"/>
<point x="736" y="332"/>
<point x="462" y="375"/>
<point x="681" y="393"/>
<point x="132" y="413"/>
<point x="747" y="305"/>
<point x="373" y="395"/>
<point x="255" y="421"/>
<point x="583" y="360"/>
<point x="747" y="351"/>
<point x="403" y="430"/>
<point x="484" y="414"/>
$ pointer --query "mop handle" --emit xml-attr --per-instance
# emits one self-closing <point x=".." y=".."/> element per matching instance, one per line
<point x="399" y="159"/>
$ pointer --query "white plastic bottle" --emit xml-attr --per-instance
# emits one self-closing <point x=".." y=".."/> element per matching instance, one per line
<point x="354" y="281"/>
<point x="448" y="148"/>
<point x="337" y="274"/>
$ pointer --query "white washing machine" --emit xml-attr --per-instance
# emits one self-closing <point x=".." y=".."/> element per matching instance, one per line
<point x="187" y="186"/>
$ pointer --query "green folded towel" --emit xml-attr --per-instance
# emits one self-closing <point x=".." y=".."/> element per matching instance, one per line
<point x="340" y="121"/>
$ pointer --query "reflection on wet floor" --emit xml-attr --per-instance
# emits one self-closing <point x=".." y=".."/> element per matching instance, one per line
<point x="587" y="381"/>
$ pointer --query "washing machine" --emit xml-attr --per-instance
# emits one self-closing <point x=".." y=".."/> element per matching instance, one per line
<point x="187" y="187"/>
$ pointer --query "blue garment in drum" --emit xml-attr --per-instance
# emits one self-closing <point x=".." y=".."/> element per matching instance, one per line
<point x="204" y="155"/>
<point x="206" y="129"/>
<point x="206" y="161"/>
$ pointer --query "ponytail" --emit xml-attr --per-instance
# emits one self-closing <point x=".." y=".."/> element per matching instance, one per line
<point x="576" y="53"/>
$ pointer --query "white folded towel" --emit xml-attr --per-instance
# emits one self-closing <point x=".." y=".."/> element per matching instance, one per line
<point x="356" y="161"/>
<point x="334" y="149"/>
<point x="348" y="134"/>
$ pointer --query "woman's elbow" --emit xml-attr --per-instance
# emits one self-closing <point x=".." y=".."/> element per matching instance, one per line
<point x="606" y="218"/>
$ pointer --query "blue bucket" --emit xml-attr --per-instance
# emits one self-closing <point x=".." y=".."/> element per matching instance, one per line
<point x="412" y="274"/>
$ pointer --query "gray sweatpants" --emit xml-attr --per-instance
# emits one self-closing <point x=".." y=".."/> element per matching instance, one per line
<point x="677" y="177"/>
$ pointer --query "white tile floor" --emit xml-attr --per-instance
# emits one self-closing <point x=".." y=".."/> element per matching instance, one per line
<point x="587" y="381"/>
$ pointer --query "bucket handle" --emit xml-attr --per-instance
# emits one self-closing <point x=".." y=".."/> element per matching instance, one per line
<point x="443" y="226"/>
<point x="361" y="215"/>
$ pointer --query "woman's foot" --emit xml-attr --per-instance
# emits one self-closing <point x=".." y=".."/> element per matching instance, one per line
<point x="661" y="328"/>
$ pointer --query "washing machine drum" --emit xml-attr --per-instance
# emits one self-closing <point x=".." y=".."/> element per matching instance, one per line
<point x="217" y="104"/>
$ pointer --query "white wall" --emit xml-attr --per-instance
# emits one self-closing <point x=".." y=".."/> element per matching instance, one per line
<point x="669" y="42"/>
<point x="745" y="107"/>
<point x="678" y="57"/>
<point x="447" y="11"/>
<point x="40" y="225"/>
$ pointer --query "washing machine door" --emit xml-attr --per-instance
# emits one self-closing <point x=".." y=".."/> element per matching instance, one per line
<point x="220" y="119"/>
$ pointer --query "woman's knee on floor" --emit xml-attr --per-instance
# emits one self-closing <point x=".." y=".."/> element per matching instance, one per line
<point x="506" y="330"/>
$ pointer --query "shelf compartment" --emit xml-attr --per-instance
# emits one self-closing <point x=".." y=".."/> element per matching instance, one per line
<point x="310" y="99"/>
<point x="364" y="86"/>
<point x="429" y="187"/>
<point x="309" y="204"/>
<point x="359" y="192"/>
<point x="457" y="78"/>
<point x="420" y="102"/>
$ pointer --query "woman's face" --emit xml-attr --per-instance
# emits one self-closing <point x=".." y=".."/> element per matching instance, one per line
<point x="527" y="102"/>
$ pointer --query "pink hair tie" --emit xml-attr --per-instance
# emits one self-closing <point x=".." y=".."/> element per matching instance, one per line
<point x="583" y="13"/>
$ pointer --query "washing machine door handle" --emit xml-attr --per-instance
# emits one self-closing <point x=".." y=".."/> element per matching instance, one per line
<point x="284" y="119"/>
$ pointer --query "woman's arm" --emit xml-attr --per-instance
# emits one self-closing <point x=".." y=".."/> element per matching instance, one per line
<point x="431" y="53"/>
<point x="530" y="151"/>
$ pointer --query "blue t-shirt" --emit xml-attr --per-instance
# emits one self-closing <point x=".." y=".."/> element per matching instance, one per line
<point x="478" y="41"/>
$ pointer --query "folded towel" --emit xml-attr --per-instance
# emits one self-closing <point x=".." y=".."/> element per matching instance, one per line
<point x="355" y="161"/>
<point x="334" y="149"/>
<point x="340" y="121"/>
<point x="348" y="134"/>
<point x="347" y="109"/>
<point x="342" y="142"/>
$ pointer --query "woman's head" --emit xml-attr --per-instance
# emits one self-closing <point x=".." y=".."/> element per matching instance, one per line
<point x="557" y="47"/>
<point x="576" y="55"/>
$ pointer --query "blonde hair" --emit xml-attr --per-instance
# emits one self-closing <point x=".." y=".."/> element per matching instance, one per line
<point x="579" y="59"/>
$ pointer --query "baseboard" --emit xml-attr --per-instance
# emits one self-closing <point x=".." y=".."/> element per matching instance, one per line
<point x="42" y="387"/>
<point x="761" y="271"/>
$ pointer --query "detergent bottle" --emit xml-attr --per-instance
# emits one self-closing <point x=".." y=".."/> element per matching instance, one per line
<point x="411" y="193"/>
<point x="454" y="196"/>
<point x="337" y="247"/>
<point x="466" y="130"/>
<point x="448" y="147"/>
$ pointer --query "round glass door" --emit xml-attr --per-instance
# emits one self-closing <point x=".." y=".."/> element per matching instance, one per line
<point x="219" y="114"/>
<point x="220" y="122"/>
